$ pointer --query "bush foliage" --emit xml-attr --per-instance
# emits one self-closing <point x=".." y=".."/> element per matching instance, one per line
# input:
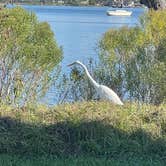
<point x="28" y="53"/>
<point x="136" y="57"/>
<point x="97" y="129"/>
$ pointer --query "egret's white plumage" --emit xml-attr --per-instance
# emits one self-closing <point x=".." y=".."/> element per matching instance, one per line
<point x="103" y="91"/>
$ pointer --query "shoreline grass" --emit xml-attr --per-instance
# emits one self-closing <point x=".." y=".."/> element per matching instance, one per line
<point x="7" y="160"/>
<point x="92" y="132"/>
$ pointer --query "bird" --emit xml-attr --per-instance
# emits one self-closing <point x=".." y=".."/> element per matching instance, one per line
<point x="103" y="91"/>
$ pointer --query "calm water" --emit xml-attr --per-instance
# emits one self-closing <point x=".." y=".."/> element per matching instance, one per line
<point x="78" y="29"/>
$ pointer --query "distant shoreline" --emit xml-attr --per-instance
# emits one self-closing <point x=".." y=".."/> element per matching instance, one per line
<point x="56" y="4"/>
<point x="47" y="4"/>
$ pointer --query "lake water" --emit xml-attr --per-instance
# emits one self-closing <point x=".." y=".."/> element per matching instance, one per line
<point x="78" y="29"/>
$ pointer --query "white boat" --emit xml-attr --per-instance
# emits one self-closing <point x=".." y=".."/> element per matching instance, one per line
<point x="119" y="13"/>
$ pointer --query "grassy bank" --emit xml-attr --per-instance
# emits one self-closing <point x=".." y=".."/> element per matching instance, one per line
<point x="6" y="160"/>
<point x="99" y="131"/>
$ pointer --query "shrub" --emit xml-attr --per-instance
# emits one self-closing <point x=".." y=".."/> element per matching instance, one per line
<point x="136" y="57"/>
<point x="28" y="54"/>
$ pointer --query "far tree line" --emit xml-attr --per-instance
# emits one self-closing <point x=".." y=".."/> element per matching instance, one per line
<point x="155" y="4"/>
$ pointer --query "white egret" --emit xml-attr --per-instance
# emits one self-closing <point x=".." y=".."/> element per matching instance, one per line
<point x="103" y="91"/>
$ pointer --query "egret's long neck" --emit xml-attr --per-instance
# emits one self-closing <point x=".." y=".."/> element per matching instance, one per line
<point x="88" y="74"/>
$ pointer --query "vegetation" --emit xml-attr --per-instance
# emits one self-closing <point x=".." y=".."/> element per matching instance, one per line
<point x="136" y="58"/>
<point x="70" y="2"/>
<point x="28" y="55"/>
<point x="154" y="4"/>
<point x="96" y="129"/>
<point x="86" y="133"/>
<point x="76" y="86"/>
<point x="7" y="160"/>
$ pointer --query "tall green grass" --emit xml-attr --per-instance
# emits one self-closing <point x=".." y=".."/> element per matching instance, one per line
<point x="6" y="160"/>
<point x="94" y="129"/>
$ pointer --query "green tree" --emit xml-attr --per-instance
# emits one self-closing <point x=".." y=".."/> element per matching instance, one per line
<point x="136" y="58"/>
<point x="28" y="55"/>
<point x="154" y="4"/>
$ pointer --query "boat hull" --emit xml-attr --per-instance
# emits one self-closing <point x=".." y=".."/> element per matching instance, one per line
<point x="119" y="13"/>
